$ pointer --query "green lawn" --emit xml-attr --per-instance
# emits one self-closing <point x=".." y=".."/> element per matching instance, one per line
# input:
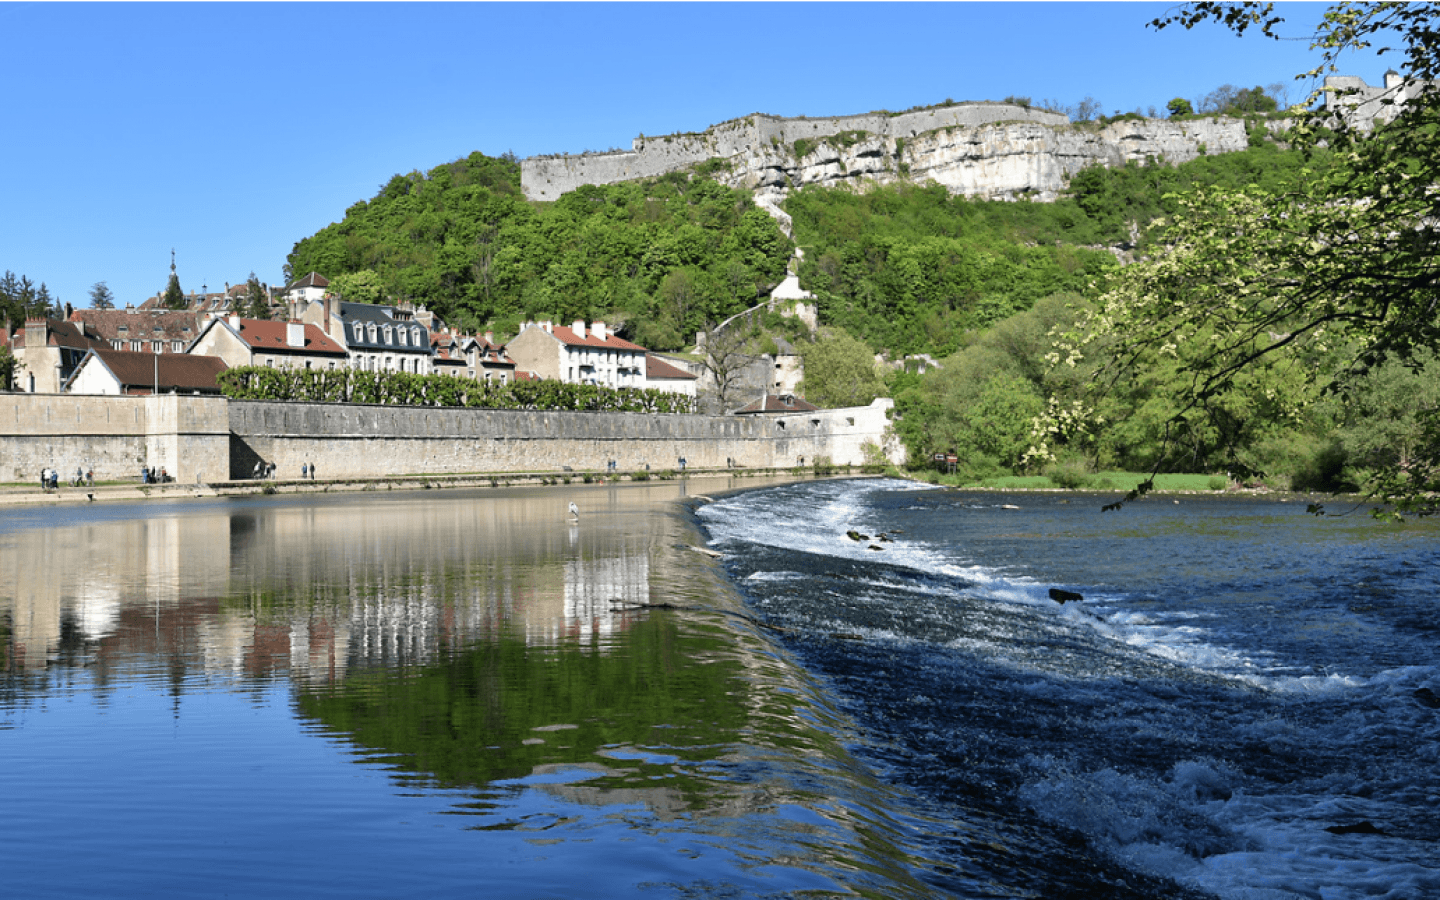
<point x="1100" y="481"/>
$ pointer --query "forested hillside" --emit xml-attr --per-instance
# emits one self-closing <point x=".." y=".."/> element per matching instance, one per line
<point x="662" y="258"/>
<point x="987" y="287"/>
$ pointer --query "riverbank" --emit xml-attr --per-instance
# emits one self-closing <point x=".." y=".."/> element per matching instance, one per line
<point x="33" y="495"/>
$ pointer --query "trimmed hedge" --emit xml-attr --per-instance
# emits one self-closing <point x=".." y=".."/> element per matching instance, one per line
<point x="405" y="389"/>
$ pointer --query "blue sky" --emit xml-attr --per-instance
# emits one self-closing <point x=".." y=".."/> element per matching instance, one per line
<point x="230" y="131"/>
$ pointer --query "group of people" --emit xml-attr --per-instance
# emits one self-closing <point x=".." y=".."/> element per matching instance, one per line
<point x="154" y="476"/>
<point x="50" y="478"/>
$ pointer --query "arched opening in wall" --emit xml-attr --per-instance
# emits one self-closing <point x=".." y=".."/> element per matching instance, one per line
<point x="849" y="420"/>
<point x="780" y="425"/>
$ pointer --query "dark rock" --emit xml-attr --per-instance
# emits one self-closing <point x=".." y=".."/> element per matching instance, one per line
<point x="1357" y="828"/>
<point x="857" y="536"/>
<point x="876" y="547"/>
<point x="1427" y="697"/>
<point x="884" y="539"/>
<point x="1062" y="597"/>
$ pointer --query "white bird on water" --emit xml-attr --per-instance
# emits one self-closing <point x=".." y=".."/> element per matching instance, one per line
<point x="574" y="511"/>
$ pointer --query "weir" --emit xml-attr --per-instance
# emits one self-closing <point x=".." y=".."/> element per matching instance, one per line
<point x="199" y="439"/>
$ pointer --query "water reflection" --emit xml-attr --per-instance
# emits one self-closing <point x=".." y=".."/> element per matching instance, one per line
<point x="508" y="670"/>
<point x="314" y="589"/>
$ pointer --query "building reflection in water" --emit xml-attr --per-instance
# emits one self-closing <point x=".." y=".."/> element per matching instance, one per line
<point x="318" y="586"/>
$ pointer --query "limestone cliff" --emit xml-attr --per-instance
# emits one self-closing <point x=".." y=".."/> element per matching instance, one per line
<point x="983" y="150"/>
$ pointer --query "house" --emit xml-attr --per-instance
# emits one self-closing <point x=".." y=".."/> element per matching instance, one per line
<point x="775" y="405"/>
<point x="141" y="330"/>
<point x="124" y="372"/>
<point x="265" y="342"/>
<point x="469" y="356"/>
<point x="301" y="292"/>
<point x="576" y="356"/>
<point x="49" y="350"/>
<point x="380" y="338"/>
<point x="663" y="376"/>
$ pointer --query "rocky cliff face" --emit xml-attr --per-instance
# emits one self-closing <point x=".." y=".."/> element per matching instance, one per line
<point x="1027" y="155"/>
<point x="1002" y="161"/>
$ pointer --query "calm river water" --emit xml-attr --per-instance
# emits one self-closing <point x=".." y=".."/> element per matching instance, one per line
<point x="444" y="694"/>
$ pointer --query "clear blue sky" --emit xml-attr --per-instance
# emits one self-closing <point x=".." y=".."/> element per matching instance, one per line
<point x="230" y="131"/>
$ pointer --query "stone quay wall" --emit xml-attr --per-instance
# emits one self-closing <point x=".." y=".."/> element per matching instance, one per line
<point x="113" y="436"/>
<point x="201" y="439"/>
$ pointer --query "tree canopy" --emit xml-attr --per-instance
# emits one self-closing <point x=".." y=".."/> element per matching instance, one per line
<point x="661" y="258"/>
<point x="1337" y="262"/>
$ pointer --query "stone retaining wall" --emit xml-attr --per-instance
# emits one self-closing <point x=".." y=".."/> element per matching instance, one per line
<point x="215" y="439"/>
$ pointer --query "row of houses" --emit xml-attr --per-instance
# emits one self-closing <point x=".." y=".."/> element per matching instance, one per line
<point x="146" y="350"/>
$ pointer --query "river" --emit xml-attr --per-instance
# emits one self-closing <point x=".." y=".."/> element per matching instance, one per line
<point x="469" y="693"/>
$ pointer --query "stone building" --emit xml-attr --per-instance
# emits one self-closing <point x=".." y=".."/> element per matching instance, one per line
<point x="48" y="351"/>
<point x="1364" y="106"/>
<point x="126" y="373"/>
<point x="471" y="356"/>
<point x="263" y="342"/>
<point x="577" y="356"/>
<point x="141" y="330"/>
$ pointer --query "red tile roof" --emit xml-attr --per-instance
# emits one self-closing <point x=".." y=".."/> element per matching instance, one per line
<point x="611" y="342"/>
<point x="269" y="335"/>
<point x="658" y="369"/>
<point x="175" y="371"/>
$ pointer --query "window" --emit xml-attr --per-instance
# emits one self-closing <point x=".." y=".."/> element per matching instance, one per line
<point x="404" y="336"/>
<point x="135" y="346"/>
<point x="177" y="346"/>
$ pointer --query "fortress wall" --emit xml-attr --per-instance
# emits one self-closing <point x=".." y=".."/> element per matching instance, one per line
<point x="547" y="178"/>
<point x="353" y="441"/>
<point x="215" y="439"/>
<point x="114" y="436"/>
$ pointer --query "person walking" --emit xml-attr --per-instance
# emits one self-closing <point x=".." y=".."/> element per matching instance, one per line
<point x="304" y="471"/>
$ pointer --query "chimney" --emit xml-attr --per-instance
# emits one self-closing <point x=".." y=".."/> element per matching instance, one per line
<point x="329" y="327"/>
<point x="598" y="329"/>
<point x="294" y="334"/>
<point x="235" y="322"/>
<point x="579" y="328"/>
<point x="490" y="338"/>
<point x="548" y="326"/>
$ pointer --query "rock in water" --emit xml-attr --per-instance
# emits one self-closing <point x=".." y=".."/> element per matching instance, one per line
<point x="1357" y="828"/>
<point x="857" y="536"/>
<point x="1427" y="697"/>
<point x="1063" y="597"/>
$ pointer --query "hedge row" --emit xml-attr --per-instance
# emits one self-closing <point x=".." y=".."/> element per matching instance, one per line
<point x="405" y="389"/>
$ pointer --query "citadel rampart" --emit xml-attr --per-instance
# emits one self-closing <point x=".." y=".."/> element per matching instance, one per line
<point x="548" y="177"/>
<point x="216" y="439"/>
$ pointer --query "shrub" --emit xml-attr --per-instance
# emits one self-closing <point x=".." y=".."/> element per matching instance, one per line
<point x="1068" y="475"/>
<point x="1217" y="483"/>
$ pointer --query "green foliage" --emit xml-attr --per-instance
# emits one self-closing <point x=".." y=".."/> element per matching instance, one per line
<point x="21" y="299"/>
<point x="101" y="297"/>
<point x="839" y="371"/>
<point x="174" y="297"/>
<point x="406" y="389"/>
<point x="257" y="302"/>
<point x="462" y="240"/>
<point x="9" y="365"/>
<point x="363" y="286"/>
<point x="1179" y="107"/>
<point x="1269" y="297"/>
<point x="911" y="269"/>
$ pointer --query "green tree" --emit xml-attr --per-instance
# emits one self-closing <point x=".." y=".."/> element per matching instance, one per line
<point x="1179" y="107"/>
<point x="1342" y="258"/>
<point x="364" y="286"/>
<point x="174" y="297"/>
<point x="840" y="371"/>
<point x="9" y="365"/>
<point x="101" y="297"/>
<point x="257" y="301"/>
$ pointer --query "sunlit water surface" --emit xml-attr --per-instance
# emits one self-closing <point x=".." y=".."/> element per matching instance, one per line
<point x="469" y="694"/>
